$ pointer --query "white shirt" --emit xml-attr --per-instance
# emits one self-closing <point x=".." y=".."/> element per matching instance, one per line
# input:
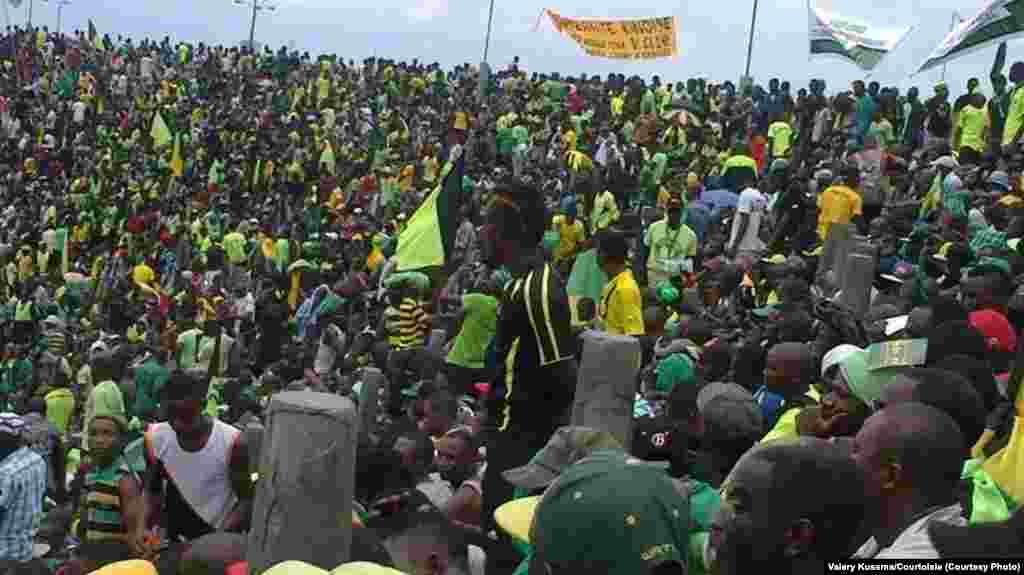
<point x="753" y="203"/>
<point x="146" y="67"/>
<point x="78" y="112"/>
<point x="914" y="542"/>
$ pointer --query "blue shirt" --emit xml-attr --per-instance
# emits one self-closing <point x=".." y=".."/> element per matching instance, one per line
<point x="22" y="488"/>
<point x="770" y="404"/>
<point x="697" y="219"/>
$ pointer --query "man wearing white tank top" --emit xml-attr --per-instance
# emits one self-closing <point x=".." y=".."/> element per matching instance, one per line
<point x="197" y="467"/>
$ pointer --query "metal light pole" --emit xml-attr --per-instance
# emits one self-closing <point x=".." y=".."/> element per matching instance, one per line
<point x="256" y="6"/>
<point x="750" y="40"/>
<point x="60" y="6"/>
<point x="487" y="39"/>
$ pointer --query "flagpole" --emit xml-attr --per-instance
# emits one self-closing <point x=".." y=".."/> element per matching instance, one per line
<point x="252" y="26"/>
<point x="952" y="25"/>
<point x="750" y="40"/>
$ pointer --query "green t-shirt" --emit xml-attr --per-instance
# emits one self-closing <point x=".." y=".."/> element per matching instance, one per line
<point x="150" y="378"/>
<point x="15" y="375"/>
<point x="234" y="247"/>
<point x="188" y="349"/>
<point x="883" y="132"/>
<point x="478" y="328"/>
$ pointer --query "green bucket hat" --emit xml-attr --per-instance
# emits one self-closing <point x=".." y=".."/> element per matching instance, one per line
<point x="666" y="293"/>
<point x="676" y="369"/>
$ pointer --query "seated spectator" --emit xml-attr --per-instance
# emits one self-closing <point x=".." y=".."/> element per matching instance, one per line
<point x="777" y="517"/>
<point x="911" y="455"/>
<point x="608" y="515"/>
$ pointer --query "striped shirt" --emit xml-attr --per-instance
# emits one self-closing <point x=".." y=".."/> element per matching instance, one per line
<point x="534" y="332"/>
<point x="410" y="325"/>
<point x="101" y="502"/>
<point x="56" y="342"/>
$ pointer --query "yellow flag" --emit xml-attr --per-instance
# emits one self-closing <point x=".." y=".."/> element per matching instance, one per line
<point x="1004" y="466"/>
<point x="177" y="163"/>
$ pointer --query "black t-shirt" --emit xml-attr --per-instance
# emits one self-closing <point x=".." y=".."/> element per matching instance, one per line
<point x="940" y="121"/>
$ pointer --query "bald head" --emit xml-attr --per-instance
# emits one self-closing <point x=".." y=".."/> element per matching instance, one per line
<point x="794" y="359"/>
<point x="924" y="442"/>
<point x="790" y="352"/>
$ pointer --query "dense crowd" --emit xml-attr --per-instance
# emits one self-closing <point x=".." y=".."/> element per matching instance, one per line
<point x="189" y="229"/>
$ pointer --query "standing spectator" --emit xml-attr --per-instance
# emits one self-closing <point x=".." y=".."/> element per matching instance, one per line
<point x="672" y="245"/>
<point x="22" y="488"/>
<point x="939" y="121"/>
<point x="1015" y="114"/>
<point x="620" y="310"/>
<point x="745" y="243"/>
<point x="840" y="203"/>
<point x="970" y="138"/>
<point x="535" y="349"/>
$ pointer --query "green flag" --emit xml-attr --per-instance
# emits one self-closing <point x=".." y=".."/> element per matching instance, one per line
<point x="997" y="21"/>
<point x="428" y="239"/>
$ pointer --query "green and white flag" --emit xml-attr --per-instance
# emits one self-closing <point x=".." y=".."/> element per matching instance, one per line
<point x="850" y="39"/>
<point x="998" y="21"/>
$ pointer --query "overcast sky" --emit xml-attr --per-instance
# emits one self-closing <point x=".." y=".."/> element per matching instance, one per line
<point x="712" y="34"/>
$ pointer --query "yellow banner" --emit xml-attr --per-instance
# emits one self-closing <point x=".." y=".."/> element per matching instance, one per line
<point x="641" y="39"/>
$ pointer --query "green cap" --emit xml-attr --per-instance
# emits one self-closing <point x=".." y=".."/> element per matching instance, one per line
<point x="867" y="372"/>
<point x="616" y="514"/>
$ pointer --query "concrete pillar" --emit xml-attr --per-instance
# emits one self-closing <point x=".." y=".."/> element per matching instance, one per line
<point x="303" y="507"/>
<point x="606" y="384"/>
<point x="858" y="278"/>
<point x="837" y="235"/>
<point x="254" y="432"/>
<point x="373" y="381"/>
<point x="435" y="344"/>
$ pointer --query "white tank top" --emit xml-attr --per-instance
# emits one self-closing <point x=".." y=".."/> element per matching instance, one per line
<point x="203" y="477"/>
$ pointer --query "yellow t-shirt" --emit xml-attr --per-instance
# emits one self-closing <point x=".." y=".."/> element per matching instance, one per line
<point x="1014" y="117"/>
<point x="973" y="122"/>
<point x="569" y="236"/>
<point x="621" y="311"/>
<point x="785" y="427"/>
<point x="837" y="205"/>
<point x="569" y="140"/>
<point x="461" y="121"/>
<point x="780" y="134"/>
<point x="323" y="88"/>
